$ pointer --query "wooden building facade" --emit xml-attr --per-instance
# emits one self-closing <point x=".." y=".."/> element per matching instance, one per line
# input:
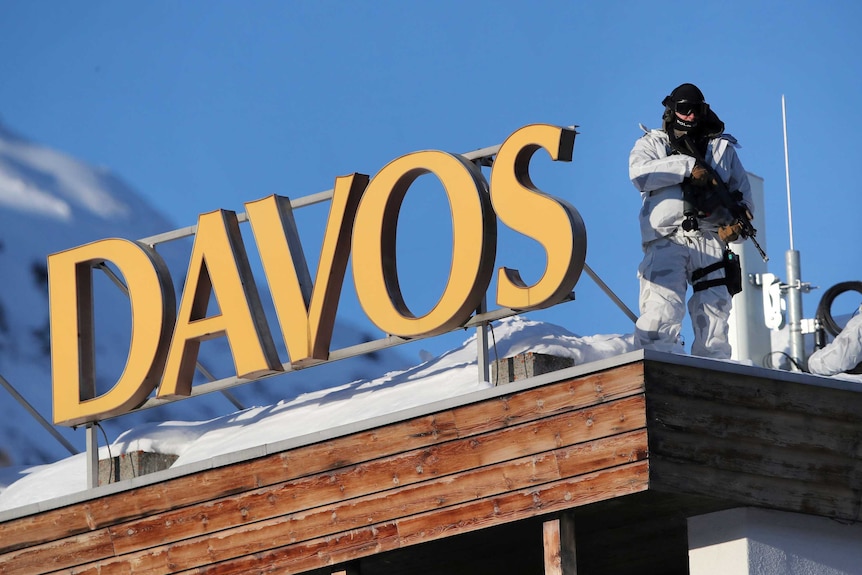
<point x="593" y="469"/>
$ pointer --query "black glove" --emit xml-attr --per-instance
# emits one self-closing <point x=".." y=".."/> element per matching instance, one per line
<point x="700" y="175"/>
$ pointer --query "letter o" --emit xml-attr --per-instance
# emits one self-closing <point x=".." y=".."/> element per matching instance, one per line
<point x="474" y="236"/>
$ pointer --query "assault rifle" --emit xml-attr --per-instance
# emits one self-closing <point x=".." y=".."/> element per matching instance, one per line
<point x="741" y="215"/>
<point x="725" y="198"/>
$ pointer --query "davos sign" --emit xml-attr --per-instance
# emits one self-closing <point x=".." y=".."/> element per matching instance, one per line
<point x="362" y="222"/>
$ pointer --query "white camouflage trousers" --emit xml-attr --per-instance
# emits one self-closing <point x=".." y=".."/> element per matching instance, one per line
<point x="665" y="274"/>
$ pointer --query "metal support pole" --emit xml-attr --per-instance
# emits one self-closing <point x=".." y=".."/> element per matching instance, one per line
<point x="794" y="308"/>
<point x="610" y="293"/>
<point x="37" y="416"/>
<point x="482" y="343"/>
<point x="92" y="457"/>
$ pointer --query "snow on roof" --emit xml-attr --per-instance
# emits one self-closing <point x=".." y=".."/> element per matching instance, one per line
<point x="453" y="374"/>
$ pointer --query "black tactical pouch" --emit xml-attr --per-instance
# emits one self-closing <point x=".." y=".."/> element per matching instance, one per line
<point x="732" y="272"/>
<point x="732" y="279"/>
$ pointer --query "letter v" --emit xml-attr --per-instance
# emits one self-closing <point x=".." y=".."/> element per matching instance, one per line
<point x="306" y="312"/>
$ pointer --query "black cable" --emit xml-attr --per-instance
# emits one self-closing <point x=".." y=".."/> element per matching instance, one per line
<point x="824" y="308"/>
<point x="496" y="357"/>
<point x="132" y="463"/>
<point x="108" y="445"/>
<point x="770" y="364"/>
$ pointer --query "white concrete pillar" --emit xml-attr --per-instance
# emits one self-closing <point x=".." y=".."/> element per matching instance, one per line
<point x="751" y="541"/>
<point x="749" y="337"/>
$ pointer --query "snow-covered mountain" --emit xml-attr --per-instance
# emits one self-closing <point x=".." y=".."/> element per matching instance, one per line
<point x="50" y="202"/>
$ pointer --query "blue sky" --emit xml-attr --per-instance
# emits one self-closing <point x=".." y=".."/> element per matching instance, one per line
<point x="206" y="105"/>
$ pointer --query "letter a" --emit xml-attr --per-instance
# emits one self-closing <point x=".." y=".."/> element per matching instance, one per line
<point x="219" y="263"/>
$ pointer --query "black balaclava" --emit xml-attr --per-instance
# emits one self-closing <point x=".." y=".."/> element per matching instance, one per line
<point x="687" y="95"/>
<point x="706" y="123"/>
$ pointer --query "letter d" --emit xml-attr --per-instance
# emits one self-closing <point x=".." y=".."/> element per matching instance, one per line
<point x="153" y="306"/>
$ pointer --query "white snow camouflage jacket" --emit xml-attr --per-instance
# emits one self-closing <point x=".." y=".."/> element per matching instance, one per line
<point x="843" y="353"/>
<point x="657" y="173"/>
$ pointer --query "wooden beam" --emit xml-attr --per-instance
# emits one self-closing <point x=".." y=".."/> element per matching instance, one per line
<point x="559" y="542"/>
<point x="349" y="569"/>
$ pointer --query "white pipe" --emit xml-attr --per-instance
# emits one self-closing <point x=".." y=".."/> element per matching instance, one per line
<point x="787" y="171"/>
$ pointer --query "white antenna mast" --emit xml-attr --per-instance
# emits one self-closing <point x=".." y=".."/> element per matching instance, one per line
<point x="787" y="171"/>
<point x="791" y="261"/>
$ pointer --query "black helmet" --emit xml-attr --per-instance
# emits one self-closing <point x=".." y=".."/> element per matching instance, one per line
<point x="685" y="99"/>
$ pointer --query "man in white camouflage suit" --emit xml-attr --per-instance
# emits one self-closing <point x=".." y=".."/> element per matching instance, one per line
<point x="843" y="354"/>
<point x="684" y="231"/>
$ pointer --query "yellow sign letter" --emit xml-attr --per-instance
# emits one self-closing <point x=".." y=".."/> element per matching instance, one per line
<point x="219" y="263"/>
<point x="306" y="312"/>
<point x="152" y="300"/>
<point x="552" y="222"/>
<point x="474" y="236"/>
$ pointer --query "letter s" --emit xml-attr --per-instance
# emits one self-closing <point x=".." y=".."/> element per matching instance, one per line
<point x="552" y="222"/>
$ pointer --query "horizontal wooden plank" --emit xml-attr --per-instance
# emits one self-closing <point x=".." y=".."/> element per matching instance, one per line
<point x="753" y="391"/>
<point x="481" y="483"/>
<point x="58" y="554"/>
<point x="755" y="456"/>
<point x="326" y="551"/>
<point x="300" y="462"/>
<point x="204" y="541"/>
<point x="412" y="434"/>
<point x="708" y="419"/>
<point x="514" y="506"/>
<point x="594" y="389"/>
<point x="549" y="498"/>
<point x="342" y="518"/>
<point x="840" y="502"/>
<point x="45" y="527"/>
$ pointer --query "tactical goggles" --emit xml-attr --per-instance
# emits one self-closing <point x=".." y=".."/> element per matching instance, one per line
<point x="685" y="108"/>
